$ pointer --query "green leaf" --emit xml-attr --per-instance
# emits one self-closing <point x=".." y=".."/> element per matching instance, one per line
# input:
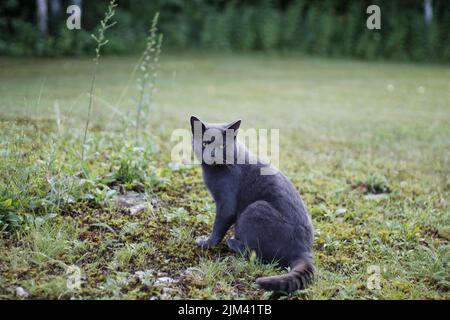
<point x="7" y="203"/>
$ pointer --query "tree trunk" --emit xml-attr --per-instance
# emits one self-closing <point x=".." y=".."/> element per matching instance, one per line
<point x="428" y="11"/>
<point x="55" y="16"/>
<point x="41" y="6"/>
<point x="55" y="7"/>
<point x="77" y="2"/>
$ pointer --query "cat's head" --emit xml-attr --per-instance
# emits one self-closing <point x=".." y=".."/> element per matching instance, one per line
<point x="214" y="143"/>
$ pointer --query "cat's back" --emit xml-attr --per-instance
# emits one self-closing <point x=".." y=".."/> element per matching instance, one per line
<point x="274" y="188"/>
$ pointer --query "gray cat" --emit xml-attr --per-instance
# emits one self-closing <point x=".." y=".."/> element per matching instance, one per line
<point x="269" y="215"/>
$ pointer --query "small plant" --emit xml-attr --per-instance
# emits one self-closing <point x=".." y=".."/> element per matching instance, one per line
<point x="128" y="172"/>
<point x="181" y="236"/>
<point x="49" y="240"/>
<point x="181" y="216"/>
<point x="135" y="254"/>
<point x="100" y="39"/>
<point x="9" y="220"/>
<point x="148" y="67"/>
<point x="374" y="185"/>
<point x="104" y="195"/>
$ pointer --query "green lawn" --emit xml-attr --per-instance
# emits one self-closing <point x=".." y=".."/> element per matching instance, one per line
<point x="366" y="144"/>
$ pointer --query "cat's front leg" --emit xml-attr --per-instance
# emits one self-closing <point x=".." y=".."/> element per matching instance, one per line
<point x="225" y="218"/>
<point x="204" y="242"/>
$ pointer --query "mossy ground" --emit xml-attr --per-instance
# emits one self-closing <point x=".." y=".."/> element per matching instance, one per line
<point x="366" y="144"/>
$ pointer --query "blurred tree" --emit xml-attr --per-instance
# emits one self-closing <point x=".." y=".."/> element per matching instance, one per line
<point x="55" y="16"/>
<point x="42" y="18"/>
<point x="55" y="7"/>
<point x="428" y="10"/>
<point x="414" y="29"/>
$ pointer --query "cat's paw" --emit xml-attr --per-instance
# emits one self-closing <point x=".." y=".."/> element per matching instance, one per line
<point x="204" y="242"/>
<point x="236" y="245"/>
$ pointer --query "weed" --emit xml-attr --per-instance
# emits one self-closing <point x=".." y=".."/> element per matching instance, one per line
<point x="101" y="41"/>
<point x="148" y="68"/>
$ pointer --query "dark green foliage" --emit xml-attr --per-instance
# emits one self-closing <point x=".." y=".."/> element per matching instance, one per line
<point x="128" y="172"/>
<point x="292" y="24"/>
<point x="9" y="220"/>
<point x="269" y="26"/>
<point x="246" y="29"/>
<point x="322" y="27"/>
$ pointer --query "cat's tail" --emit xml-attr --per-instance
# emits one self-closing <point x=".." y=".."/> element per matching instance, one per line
<point x="300" y="277"/>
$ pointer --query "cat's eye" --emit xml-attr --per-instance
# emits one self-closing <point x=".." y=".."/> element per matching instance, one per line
<point x="204" y="144"/>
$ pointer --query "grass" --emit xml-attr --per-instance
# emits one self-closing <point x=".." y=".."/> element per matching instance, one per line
<point x="366" y="144"/>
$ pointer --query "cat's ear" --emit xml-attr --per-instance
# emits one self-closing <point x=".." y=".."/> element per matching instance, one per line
<point x="194" y="119"/>
<point x="234" y="125"/>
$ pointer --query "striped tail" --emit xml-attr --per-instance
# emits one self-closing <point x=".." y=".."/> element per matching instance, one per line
<point x="299" y="278"/>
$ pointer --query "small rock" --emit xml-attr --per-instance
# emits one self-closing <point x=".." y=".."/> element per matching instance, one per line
<point x="375" y="197"/>
<point x="163" y="280"/>
<point x="137" y="208"/>
<point x="135" y="202"/>
<point x="21" y="292"/>
<point x="130" y="199"/>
